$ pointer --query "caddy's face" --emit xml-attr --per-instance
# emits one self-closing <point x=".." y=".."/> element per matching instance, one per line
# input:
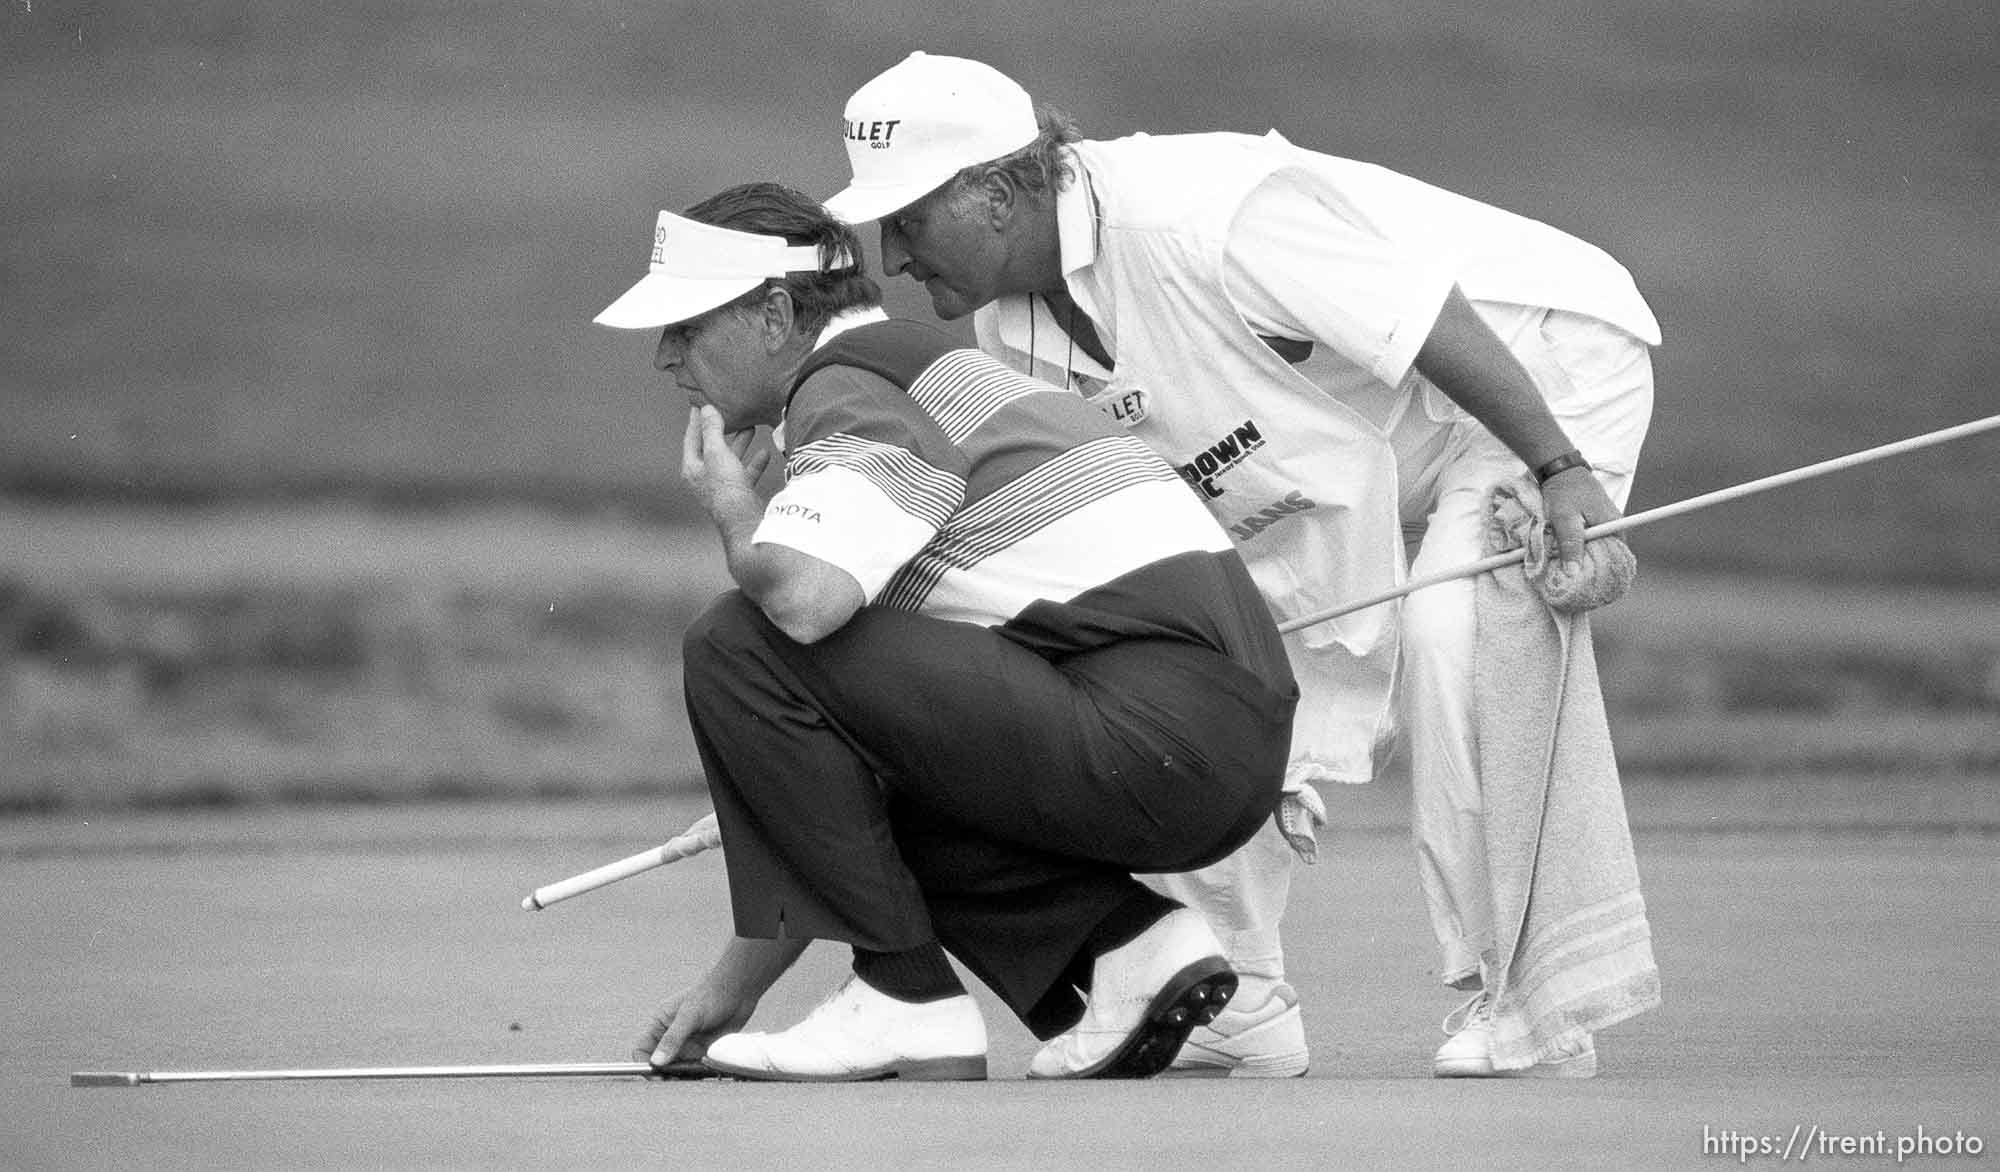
<point x="946" y="243"/>
<point x="719" y="360"/>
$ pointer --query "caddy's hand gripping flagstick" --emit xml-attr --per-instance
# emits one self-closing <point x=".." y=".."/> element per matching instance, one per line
<point x="704" y="834"/>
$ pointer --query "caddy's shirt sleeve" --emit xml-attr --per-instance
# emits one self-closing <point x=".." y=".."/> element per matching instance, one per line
<point x="1302" y="262"/>
<point x="869" y="478"/>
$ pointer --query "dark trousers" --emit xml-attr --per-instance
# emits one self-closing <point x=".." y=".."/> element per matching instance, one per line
<point x="908" y="779"/>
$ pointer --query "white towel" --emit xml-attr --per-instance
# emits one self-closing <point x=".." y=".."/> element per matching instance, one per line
<point x="1573" y="949"/>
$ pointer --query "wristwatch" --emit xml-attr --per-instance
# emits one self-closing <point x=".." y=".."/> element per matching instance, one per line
<point x="1563" y="463"/>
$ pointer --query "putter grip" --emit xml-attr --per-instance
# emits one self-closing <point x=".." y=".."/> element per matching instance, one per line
<point x="702" y="836"/>
<point x="104" y="1078"/>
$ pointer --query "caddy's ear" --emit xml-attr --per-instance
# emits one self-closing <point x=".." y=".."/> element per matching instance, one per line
<point x="1003" y="197"/>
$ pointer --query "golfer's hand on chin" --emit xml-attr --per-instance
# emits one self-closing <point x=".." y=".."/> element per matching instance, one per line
<point x="719" y="467"/>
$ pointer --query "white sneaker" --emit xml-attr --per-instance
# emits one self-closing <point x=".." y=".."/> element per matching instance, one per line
<point x="1259" y="1034"/>
<point x="1146" y="996"/>
<point x="861" y="1033"/>
<point x="1468" y="1052"/>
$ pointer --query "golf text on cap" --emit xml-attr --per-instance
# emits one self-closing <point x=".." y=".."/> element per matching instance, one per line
<point x="877" y="134"/>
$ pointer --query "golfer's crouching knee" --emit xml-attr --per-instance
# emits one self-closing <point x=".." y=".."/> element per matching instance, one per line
<point x="719" y="635"/>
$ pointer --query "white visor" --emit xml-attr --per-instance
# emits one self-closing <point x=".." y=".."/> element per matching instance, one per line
<point x="698" y="266"/>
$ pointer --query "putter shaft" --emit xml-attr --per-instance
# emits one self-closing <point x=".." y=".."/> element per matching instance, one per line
<point x="678" y="1069"/>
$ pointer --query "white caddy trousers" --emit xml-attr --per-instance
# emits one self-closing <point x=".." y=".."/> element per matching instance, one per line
<point x="1243" y="898"/>
<point x="1599" y="384"/>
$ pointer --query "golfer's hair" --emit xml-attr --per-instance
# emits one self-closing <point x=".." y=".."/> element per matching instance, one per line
<point x="772" y="209"/>
<point x="1041" y="167"/>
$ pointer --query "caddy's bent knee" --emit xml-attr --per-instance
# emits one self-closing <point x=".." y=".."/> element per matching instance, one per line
<point x="1438" y="628"/>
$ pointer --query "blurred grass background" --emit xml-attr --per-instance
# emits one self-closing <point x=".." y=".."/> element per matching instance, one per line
<point x="298" y="297"/>
<point x="252" y="654"/>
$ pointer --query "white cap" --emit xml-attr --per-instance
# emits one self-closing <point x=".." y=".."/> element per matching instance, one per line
<point x="698" y="266"/>
<point x="922" y="121"/>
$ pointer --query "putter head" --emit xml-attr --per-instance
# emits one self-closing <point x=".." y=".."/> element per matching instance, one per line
<point x="683" y="1068"/>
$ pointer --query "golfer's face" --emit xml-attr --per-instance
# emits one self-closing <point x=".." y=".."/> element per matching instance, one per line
<point x="717" y="359"/>
<point x="946" y="242"/>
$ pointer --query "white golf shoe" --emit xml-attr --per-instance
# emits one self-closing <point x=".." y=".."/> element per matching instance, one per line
<point x="1146" y="996"/>
<point x="1468" y="1052"/>
<point x="858" y="1034"/>
<point x="1259" y="1034"/>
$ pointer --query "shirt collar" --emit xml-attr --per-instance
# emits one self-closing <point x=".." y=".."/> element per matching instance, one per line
<point x="1076" y="218"/>
<point x="846" y="320"/>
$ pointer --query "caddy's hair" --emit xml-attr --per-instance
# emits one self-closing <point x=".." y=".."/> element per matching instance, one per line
<point x="1041" y="167"/>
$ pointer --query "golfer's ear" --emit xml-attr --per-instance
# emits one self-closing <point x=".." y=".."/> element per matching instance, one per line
<point x="775" y="316"/>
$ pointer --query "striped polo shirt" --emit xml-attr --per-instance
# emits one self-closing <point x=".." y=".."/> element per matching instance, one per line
<point x="948" y="484"/>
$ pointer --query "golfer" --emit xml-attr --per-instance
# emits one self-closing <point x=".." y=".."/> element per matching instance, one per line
<point x="1340" y="360"/>
<point x="986" y="659"/>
